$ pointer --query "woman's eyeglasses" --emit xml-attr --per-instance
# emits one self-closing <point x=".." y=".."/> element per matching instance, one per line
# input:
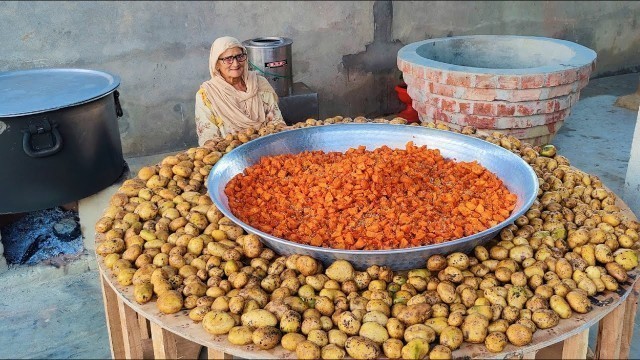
<point x="229" y="59"/>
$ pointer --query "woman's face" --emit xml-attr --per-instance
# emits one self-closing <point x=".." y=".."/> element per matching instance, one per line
<point x="235" y="68"/>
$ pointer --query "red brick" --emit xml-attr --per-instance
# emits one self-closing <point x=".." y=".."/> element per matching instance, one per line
<point x="524" y="110"/>
<point x="486" y="122"/>
<point x="553" y="79"/>
<point x="532" y="81"/>
<point x="480" y="94"/>
<point x="484" y="108"/>
<point x="414" y="94"/>
<point x="403" y="65"/>
<point x="523" y="95"/>
<point x="583" y="72"/>
<point x="465" y="107"/>
<point x="443" y="90"/>
<point x="450" y="105"/>
<point x="433" y="75"/>
<point x="459" y="79"/>
<point x="509" y="82"/>
<point x="419" y="107"/>
<point x="561" y="90"/>
<point x="417" y="71"/>
<point x="485" y="81"/>
<point x="569" y="76"/>
<point x="506" y="109"/>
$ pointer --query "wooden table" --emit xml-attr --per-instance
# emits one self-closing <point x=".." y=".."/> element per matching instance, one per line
<point x="142" y="331"/>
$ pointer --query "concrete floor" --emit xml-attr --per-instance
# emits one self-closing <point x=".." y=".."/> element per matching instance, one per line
<point x="49" y="312"/>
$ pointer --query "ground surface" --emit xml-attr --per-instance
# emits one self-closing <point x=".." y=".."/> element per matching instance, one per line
<point x="57" y="312"/>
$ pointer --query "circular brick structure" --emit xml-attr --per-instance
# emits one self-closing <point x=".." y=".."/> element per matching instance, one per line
<point x="523" y="86"/>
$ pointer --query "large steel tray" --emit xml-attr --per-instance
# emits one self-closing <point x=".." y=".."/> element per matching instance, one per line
<point x="516" y="174"/>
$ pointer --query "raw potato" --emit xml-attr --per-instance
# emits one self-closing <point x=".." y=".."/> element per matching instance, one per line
<point x="451" y="337"/>
<point x="560" y="306"/>
<point x="240" y="335"/>
<point x="266" y="337"/>
<point x="259" y="318"/>
<point x="617" y="271"/>
<point x="626" y="258"/>
<point x="169" y="302"/>
<point x="414" y="314"/>
<point x="318" y="337"/>
<point x="496" y="342"/>
<point x="359" y="347"/>
<point x="348" y="323"/>
<point x="420" y="331"/>
<point x="519" y="335"/>
<point x="218" y="322"/>
<point x="579" y="302"/>
<point x="142" y="293"/>
<point x="437" y="324"/>
<point x="308" y="350"/>
<point x="291" y="340"/>
<point x="125" y="277"/>
<point x="474" y="328"/>
<point x="307" y="265"/>
<point x="440" y="352"/>
<point x="392" y="348"/>
<point x="415" y="349"/>
<point x="545" y="319"/>
<point x="340" y="271"/>
<point x="333" y="351"/>
<point x="252" y="246"/>
<point x="197" y="313"/>
<point x="375" y="332"/>
<point x="290" y="321"/>
<point x="110" y="246"/>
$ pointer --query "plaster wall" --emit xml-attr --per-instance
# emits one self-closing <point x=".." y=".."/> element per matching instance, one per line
<point x="161" y="52"/>
<point x="610" y="28"/>
<point x="346" y="51"/>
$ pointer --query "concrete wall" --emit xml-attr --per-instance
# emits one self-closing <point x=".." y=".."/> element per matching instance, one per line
<point x="611" y="28"/>
<point x="344" y="50"/>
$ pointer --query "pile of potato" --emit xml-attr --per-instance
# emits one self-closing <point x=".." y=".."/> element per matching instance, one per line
<point x="162" y="234"/>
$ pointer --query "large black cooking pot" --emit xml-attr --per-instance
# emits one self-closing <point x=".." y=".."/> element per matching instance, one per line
<point x="59" y="137"/>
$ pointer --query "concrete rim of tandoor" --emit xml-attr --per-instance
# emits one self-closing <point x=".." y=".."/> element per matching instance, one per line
<point x="580" y="56"/>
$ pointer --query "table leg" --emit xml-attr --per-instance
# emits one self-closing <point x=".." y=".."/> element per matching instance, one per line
<point x="130" y="331"/>
<point x="631" y="306"/>
<point x="217" y="354"/>
<point x="145" y="337"/>
<point x="610" y="334"/>
<point x="167" y="345"/>
<point x="576" y="346"/>
<point x="112" y="314"/>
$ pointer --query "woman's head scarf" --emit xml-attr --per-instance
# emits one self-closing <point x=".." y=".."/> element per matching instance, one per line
<point x="238" y="110"/>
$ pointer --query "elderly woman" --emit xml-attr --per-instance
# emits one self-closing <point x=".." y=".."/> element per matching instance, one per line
<point x="234" y="99"/>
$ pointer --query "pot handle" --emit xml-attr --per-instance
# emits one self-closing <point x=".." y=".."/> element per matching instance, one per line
<point x="116" y="98"/>
<point x="38" y="129"/>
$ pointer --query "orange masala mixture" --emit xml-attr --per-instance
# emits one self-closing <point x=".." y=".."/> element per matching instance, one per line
<point x="360" y="199"/>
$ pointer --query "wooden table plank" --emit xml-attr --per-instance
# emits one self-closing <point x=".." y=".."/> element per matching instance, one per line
<point x="112" y="315"/>
<point x="610" y="334"/>
<point x="167" y="345"/>
<point x="145" y="337"/>
<point x="576" y="346"/>
<point x="631" y="307"/>
<point x="217" y="354"/>
<point x="130" y="332"/>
